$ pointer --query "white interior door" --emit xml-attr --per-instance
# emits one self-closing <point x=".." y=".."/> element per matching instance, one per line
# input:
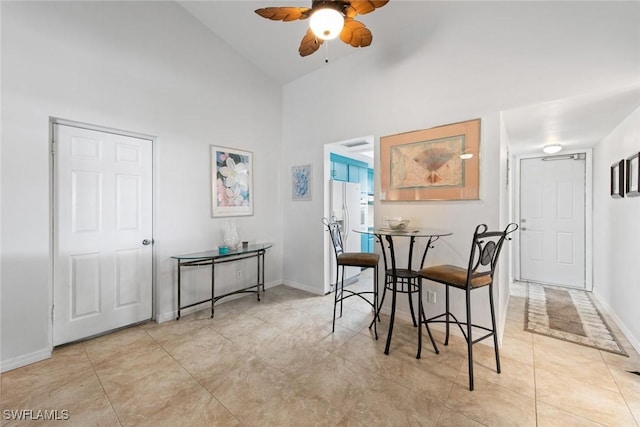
<point x="552" y="220"/>
<point x="103" y="231"/>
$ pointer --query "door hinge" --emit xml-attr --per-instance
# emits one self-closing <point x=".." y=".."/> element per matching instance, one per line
<point x="52" y="307"/>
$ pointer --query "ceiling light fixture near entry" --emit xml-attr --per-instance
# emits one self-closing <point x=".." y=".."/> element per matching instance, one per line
<point x="552" y="148"/>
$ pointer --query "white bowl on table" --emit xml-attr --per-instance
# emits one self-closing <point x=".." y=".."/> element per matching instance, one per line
<point x="398" y="224"/>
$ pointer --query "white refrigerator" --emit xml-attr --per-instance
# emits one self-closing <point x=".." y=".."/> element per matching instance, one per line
<point x="347" y="209"/>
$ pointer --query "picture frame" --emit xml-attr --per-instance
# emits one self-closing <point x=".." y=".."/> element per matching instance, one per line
<point x="231" y="182"/>
<point x="301" y="182"/>
<point x="632" y="168"/>
<point x="440" y="163"/>
<point x="617" y="179"/>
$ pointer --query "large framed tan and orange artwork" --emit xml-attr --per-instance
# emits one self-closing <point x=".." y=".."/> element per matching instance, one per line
<point x="441" y="163"/>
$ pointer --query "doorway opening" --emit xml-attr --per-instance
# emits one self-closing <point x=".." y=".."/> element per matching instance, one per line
<point x="349" y="178"/>
<point x="553" y="207"/>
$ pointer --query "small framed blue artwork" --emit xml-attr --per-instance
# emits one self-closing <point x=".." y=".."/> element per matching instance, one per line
<point x="301" y="182"/>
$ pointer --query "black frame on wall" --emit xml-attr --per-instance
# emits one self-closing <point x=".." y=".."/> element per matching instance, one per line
<point x="617" y="179"/>
<point x="633" y="175"/>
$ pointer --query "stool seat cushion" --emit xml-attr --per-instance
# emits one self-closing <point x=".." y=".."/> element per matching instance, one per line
<point x="454" y="276"/>
<point x="358" y="259"/>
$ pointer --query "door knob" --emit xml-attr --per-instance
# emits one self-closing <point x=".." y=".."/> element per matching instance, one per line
<point x="146" y="242"/>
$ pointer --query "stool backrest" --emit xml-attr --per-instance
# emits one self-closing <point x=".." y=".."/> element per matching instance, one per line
<point x="335" y="232"/>
<point x="485" y="250"/>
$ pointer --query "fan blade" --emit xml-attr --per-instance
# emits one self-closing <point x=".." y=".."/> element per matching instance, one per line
<point x="284" y="13"/>
<point x="309" y="43"/>
<point x="366" y="6"/>
<point x="355" y="33"/>
<point x="350" y="12"/>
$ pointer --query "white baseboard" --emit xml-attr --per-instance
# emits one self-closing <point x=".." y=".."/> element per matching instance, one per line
<point x="303" y="287"/>
<point x="502" y="321"/>
<point x="405" y="316"/>
<point x="24" y="360"/>
<point x="166" y="317"/>
<point x="627" y="333"/>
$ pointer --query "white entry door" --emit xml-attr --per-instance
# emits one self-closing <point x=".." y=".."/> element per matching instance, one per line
<point x="552" y="220"/>
<point x="103" y="232"/>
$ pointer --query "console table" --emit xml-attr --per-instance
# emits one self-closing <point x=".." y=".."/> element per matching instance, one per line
<point x="214" y="257"/>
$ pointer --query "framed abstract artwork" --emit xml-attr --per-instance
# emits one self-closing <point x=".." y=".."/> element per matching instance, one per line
<point x="440" y="163"/>
<point x="231" y="182"/>
<point x="617" y="179"/>
<point x="633" y="175"/>
<point x="301" y="182"/>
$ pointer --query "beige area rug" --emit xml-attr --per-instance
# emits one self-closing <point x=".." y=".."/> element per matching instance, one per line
<point x="570" y="315"/>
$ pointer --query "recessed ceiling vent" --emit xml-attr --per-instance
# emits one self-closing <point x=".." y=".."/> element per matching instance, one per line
<point x="355" y="144"/>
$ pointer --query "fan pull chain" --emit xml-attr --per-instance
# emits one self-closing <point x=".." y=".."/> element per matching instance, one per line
<point x="326" y="59"/>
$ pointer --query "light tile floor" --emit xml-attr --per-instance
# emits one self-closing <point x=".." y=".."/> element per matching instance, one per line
<point x="277" y="363"/>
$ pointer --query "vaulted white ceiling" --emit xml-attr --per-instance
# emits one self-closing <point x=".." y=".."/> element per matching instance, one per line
<point x="576" y="122"/>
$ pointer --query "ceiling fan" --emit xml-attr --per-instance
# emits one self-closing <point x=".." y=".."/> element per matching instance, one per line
<point x="328" y="19"/>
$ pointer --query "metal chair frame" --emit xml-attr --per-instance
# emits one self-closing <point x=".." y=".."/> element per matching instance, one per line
<point x="485" y="250"/>
<point x="340" y="293"/>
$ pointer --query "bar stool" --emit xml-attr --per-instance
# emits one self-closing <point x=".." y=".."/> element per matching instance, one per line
<point x="479" y="273"/>
<point x="351" y="259"/>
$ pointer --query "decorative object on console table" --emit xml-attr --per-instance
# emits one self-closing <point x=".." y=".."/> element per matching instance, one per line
<point x="301" y="182"/>
<point x="617" y="179"/>
<point x="230" y="234"/>
<point x="633" y="175"/>
<point x="231" y="182"/>
<point x="429" y="164"/>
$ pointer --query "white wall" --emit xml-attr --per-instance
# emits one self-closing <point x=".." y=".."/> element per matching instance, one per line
<point x="438" y="79"/>
<point x="311" y="115"/>
<point x="506" y="263"/>
<point x="146" y="67"/>
<point x="616" y="237"/>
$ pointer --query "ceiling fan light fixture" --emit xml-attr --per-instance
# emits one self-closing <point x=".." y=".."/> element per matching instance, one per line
<point x="326" y="23"/>
<point x="552" y="148"/>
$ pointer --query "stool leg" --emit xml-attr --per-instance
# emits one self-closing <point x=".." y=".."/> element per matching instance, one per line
<point x="446" y="302"/>
<point x="469" y="340"/>
<point x="335" y="299"/>
<point x="342" y="290"/>
<point x="375" y="301"/>
<point x="393" y="315"/>
<point x="421" y="318"/>
<point x="493" y="324"/>
<point x="384" y="293"/>
<point x="409" y="293"/>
